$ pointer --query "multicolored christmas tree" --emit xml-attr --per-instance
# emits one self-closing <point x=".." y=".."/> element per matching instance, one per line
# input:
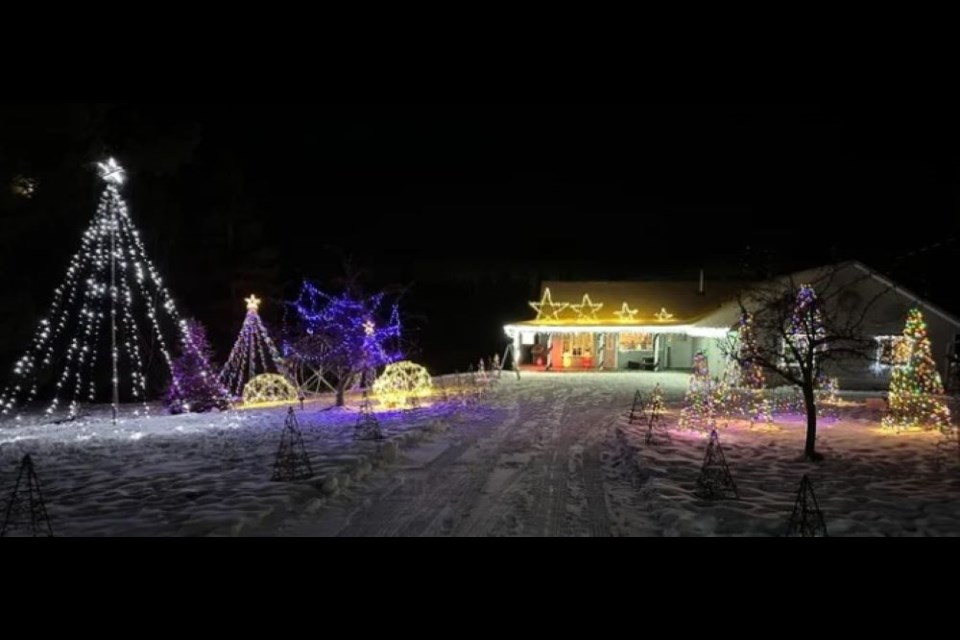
<point x="726" y="395"/>
<point x="700" y="409"/>
<point x="253" y="353"/>
<point x="751" y="381"/>
<point x="916" y="385"/>
<point x="194" y="388"/>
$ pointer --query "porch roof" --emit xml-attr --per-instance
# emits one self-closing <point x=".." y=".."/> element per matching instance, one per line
<point x="655" y="305"/>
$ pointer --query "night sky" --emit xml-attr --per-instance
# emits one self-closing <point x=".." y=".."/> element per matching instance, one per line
<point x="469" y="206"/>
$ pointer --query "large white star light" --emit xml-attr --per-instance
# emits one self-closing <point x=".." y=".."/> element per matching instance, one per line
<point x="547" y="301"/>
<point x="663" y="316"/>
<point x="626" y="314"/>
<point x="587" y="310"/>
<point x="111" y="172"/>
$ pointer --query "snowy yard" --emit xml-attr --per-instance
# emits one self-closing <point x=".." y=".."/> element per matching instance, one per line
<point x="553" y="455"/>
<point x="196" y="474"/>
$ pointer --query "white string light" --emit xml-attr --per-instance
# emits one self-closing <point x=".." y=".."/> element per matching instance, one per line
<point x="242" y="365"/>
<point x="84" y="298"/>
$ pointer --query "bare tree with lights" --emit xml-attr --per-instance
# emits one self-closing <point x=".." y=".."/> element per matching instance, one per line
<point x="347" y="336"/>
<point x="803" y="330"/>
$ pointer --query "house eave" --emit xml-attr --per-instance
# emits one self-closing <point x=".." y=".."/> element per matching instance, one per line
<point x="513" y="330"/>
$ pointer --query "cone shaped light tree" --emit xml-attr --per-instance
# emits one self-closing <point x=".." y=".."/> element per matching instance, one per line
<point x="111" y="302"/>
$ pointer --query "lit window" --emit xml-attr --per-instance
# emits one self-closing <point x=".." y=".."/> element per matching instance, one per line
<point x="636" y="342"/>
<point x="893" y="351"/>
<point x="578" y="344"/>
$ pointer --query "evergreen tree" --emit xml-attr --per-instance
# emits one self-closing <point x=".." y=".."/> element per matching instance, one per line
<point x="751" y="380"/>
<point x="194" y="389"/>
<point x="700" y="408"/>
<point x="915" y="384"/>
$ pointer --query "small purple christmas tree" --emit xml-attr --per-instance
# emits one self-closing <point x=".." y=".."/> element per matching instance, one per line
<point x="194" y="389"/>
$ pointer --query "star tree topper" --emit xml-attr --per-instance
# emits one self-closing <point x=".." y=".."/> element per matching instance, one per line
<point x="663" y="316"/>
<point x="586" y="310"/>
<point x="626" y="314"/>
<point x="253" y="304"/>
<point x="556" y="307"/>
<point x="111" y="172"/>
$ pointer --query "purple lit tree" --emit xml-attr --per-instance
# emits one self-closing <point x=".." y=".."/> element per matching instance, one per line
<point x="194" y="389"/>
<point x="253" y="353"/>
<point x="347" y="336"/>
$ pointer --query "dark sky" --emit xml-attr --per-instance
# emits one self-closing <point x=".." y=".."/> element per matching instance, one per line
<point x="473" y="204"/>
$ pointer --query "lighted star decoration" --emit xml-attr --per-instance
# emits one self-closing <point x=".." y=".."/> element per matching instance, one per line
<point x="253" y="304"/>
<point x="369" y="327"/>
<point x="586" y="310"/>
<point x="663" y="316"/>
<point x="626" y="314"/>
<point x="556" y="307"/>
<point x="111" y="172"/>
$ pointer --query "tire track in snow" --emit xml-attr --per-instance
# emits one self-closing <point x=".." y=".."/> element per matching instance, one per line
<point x="438" y="493"/>
<point x="599" y="520"/>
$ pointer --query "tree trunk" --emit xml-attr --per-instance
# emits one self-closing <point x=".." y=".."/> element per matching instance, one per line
<point x="810" y="400"/>
<point x="341" y="390"/>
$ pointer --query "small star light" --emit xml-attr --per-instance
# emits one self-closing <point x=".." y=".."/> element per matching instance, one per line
<point x="369" y="327"/>
<point x="626" y="314"/>
<point x="111" y="172"/>
<point x="663" y="316"/>
<point x="253" y="304"/>
<point x="556" y="307"/>
<point x="587" y="310"/>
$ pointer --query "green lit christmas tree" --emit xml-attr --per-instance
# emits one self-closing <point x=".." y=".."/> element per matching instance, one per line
<point x="915" y="386"/>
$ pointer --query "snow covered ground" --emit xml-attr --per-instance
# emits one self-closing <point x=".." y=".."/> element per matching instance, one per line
<point x="564" y="461"/>
<point x="196" y="475"/>
<point x="552" y="454"/>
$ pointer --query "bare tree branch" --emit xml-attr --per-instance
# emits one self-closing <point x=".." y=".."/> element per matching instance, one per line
<point x="804" y="330"/>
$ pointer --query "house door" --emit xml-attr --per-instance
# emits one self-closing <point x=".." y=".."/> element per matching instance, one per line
<point x="610" y="352"/>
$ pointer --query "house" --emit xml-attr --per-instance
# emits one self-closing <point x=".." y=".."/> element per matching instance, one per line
<point x="588" y="326"/>
<point x="661" y="325"/>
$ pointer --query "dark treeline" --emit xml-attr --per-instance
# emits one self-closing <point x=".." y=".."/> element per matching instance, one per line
<point x="467" y="208"/>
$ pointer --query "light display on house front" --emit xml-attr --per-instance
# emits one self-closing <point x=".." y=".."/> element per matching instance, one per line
<point x="609" y="326"/>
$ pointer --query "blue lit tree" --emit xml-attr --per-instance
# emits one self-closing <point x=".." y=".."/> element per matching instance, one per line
<point x="348" y="336"/>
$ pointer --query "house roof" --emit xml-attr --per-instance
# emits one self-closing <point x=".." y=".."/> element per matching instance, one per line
<point x="656" y="303"/>
<point x="909" y="295"/>
<point x="728" y="314"/>
<point x="670" y="306"/>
